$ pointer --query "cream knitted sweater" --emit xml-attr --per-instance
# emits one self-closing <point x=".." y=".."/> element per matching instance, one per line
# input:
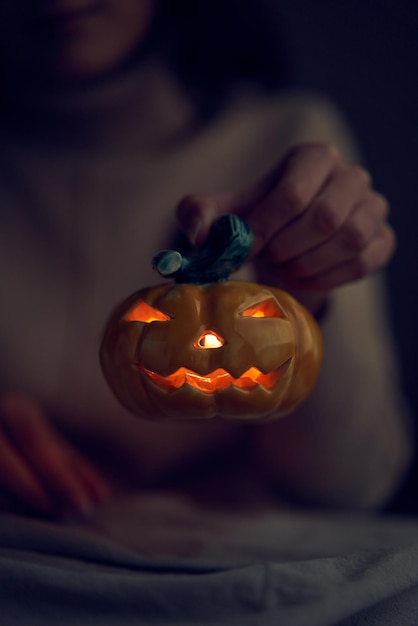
<point x="88" y="189"/>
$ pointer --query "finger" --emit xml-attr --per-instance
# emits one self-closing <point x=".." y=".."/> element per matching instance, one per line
<point x="44" y="452"/>
<point x="371" y="259"/>
<point x="303" y="174"/>
<point x="196" y="213"/>
<point x="87" y="475"/>
<point x="353" y="237"/>
<point x="19" y="481"/>
<point x="270" y="203"/>
<point x="325" y="216"/>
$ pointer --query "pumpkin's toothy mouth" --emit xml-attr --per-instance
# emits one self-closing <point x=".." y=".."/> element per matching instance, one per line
<point x="218" y="380"/>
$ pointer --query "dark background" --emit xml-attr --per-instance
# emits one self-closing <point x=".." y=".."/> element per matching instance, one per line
<point x="364" y="55"/>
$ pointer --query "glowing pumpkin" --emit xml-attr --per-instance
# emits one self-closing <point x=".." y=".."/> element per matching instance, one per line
<point x="230" y="349"/>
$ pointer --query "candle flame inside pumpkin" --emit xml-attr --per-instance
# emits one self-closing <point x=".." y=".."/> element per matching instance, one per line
<point x="218" y="380"/>
<point x="209" y="340"/>
<point x="143" y="312"/>
<point x="266" y="308"/>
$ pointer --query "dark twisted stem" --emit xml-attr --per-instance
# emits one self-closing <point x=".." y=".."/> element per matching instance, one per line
<point x="224" y="251"/>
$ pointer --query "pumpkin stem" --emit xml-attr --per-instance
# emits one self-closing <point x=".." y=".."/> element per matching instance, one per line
<point x="224" y="251"/>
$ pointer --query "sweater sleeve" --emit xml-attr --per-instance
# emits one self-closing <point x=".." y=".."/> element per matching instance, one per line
<point x="350" y="443"/>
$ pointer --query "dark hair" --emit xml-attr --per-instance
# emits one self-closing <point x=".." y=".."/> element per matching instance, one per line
<point x="214" y="45"/>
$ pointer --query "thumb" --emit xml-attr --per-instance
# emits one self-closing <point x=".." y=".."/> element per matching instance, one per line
<point x="197" y="212"/>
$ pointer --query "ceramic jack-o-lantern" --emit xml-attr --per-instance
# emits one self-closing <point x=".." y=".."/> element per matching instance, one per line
<point x="205" y="346"/>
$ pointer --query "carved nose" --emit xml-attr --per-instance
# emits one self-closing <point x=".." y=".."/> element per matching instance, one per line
<point x="208" y="340"/>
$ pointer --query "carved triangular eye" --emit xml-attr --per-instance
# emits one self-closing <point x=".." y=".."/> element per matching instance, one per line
<point x="266" y="308"/>
<point x="143" y="312"/>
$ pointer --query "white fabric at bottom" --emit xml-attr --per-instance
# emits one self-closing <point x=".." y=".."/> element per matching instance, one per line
<point x="160" y="560"/>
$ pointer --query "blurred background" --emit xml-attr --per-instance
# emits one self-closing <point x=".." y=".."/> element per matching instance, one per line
<point x="364" y="55"/>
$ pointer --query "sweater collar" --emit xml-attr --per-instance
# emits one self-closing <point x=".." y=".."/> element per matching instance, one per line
<point x="143" y="106"/>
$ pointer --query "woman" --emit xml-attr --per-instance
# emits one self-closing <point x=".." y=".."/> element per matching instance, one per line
<point x="112" y="120"/>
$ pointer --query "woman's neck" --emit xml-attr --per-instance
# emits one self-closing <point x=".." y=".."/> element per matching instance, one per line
<point x="140" y="105"/>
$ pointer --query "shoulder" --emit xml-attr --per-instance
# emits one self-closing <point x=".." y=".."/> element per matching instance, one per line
<point x="254" y="130"/>
<point x="291" y="117"/>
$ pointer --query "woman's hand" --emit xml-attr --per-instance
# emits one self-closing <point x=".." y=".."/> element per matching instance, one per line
<point x="40" y="472"/>
<point x="317" y="222"/>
